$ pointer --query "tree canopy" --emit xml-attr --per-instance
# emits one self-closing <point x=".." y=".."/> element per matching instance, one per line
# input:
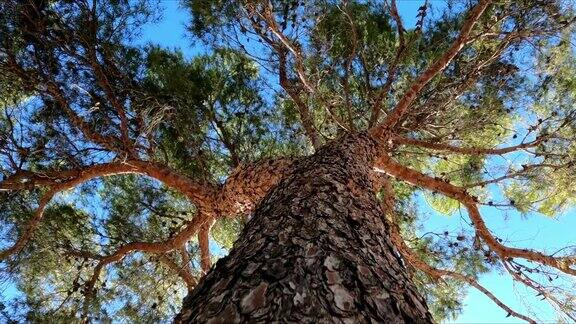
<point x="120" y="163"/>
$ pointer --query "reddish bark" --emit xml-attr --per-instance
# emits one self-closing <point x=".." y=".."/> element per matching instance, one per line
<point x="433" y="70"/>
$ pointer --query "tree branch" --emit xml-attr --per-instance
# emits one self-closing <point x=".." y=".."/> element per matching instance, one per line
<point x="204" y="242"/>
<point x="465" y="150"/>
<point x="348" y="66"/>
<point x="398" y="112"/>
<point x="393" y="68"/>
<point x="173" y="243"/>
<point x="387" y="165"/>
<point x="539" y="289"/>
<point x="31" y="226"/>
<point x="434" y="273"/>
<point x="248" y="184"/>
<point x="182" y="271"/>
<point x="303" y="111"/>
<point x="267" y="15"/>
<point x="105" y="84"/>
<point x="201" y="194"/>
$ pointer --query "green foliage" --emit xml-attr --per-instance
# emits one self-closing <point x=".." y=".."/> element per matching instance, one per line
<point x="225" y="231"/>
<point x="11" y="92"/>
<point x="442" y="204"/>
<point x="441" y="250"/>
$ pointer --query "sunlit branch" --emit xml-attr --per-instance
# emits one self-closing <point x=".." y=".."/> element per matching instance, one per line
<point x="438" y="66"/>
<point x="202" y="194"/>
<point x="436" y="274"/>
<point x="267" y="15"/>
<point x="292" y="89"/>
<point x="387" y="165"/>
<point x="241" y="192"/>
<point x="204" y="242"/>
<point x="459" y="87"/>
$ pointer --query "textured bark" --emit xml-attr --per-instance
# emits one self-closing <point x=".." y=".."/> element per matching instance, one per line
<point x="316" y="250"/>
<point x="249" y="184"/>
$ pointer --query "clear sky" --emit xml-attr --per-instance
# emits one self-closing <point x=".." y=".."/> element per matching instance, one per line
<point x="532" y="231"/>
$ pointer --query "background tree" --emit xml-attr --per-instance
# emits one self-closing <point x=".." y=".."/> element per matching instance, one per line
<point x="120" y="163"/>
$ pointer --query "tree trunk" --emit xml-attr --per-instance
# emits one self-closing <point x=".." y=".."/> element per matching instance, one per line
<point x="317" y="250"/>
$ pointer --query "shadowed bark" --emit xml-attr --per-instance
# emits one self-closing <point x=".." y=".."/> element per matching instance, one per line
<point x="316" y="250"/>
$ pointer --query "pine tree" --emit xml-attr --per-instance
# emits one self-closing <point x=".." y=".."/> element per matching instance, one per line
<point x="297" y="141"/>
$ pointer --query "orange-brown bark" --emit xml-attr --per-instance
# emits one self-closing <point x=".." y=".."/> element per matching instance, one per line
<point x="204" y="243"/>
<point x="248" y="184"/>
<point x="389" y="166"/>
<point x="380" y="130"/>
<point x="200" y="193"/>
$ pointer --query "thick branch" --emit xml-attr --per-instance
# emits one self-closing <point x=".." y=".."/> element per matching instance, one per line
<point x="433" y="70"/>
<point x="435" y="273"/>
<point x="387" y="165"/>
<point x="241" y="192"/>
<point x="204" y="242"/>
<point x="248" y="184"/>
<point x="202" y="194"/>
